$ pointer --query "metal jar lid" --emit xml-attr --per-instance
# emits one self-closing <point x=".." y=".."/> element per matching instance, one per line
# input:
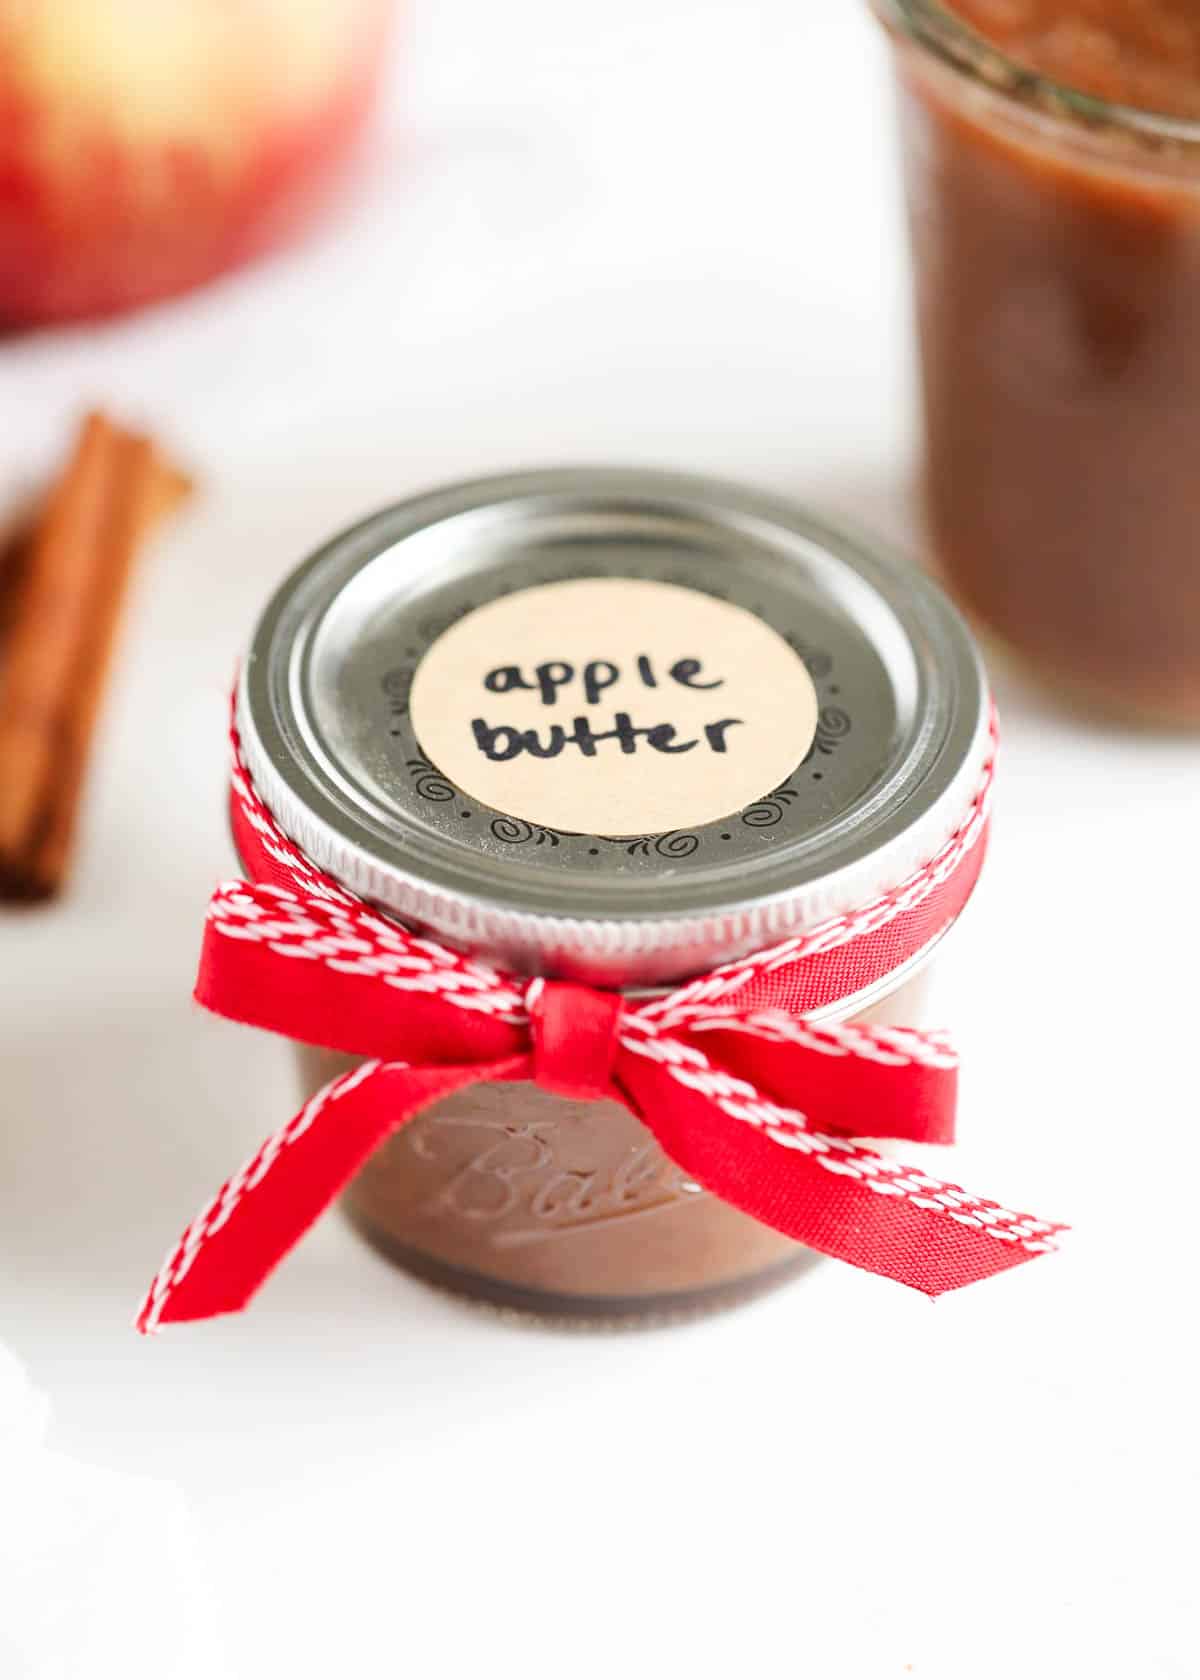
<point x="900" y="717"/>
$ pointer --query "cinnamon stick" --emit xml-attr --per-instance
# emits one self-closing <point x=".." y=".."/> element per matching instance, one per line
<point x="62" y="629"/>
<point x="14" y="552"/>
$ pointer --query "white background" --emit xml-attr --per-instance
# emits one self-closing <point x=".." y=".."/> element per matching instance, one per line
<point x="666" y="234"/>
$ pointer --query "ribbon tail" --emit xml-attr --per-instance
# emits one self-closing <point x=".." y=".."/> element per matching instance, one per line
<point x="821" y="1189"/>
<point x="235" y="1242"/>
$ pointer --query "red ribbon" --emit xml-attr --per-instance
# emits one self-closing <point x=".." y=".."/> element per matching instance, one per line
<point x="758" y="1104"/>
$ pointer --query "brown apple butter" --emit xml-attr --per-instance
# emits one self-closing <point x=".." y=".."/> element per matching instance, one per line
<point x="1052" y="152"/>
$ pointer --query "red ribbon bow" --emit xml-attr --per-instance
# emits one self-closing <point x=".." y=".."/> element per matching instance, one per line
<point x="759" y="1105"/>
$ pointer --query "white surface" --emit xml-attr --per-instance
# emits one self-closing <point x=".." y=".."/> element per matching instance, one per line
<point x="90" y="1556"/>
<point x="678" y="242"/>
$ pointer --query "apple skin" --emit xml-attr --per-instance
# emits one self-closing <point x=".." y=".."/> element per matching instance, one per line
<point x="147" y="146"/>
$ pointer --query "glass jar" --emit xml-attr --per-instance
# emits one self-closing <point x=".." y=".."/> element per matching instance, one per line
<point x="1056" y="247"/>
<point x="529" y="1200"/>
<point x="761" y="726"/>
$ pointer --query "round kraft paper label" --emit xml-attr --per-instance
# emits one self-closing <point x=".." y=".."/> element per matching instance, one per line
<point x="614" y="706"/>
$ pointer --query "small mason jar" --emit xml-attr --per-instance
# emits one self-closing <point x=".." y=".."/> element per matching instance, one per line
<point x="761" y="725"/>
<point x="1056" y="248"/>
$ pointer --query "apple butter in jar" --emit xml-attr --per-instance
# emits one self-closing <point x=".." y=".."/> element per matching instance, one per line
<point x="613" y="729"/>
<point x="1052" y="153"/>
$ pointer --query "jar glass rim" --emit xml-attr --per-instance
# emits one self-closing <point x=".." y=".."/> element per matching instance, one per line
<point x="935" y="27"/>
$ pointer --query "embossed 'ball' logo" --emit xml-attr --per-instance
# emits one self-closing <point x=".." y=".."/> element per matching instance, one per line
<point x="615" y="706"/>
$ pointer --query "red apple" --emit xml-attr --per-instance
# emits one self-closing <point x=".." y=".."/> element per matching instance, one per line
<point x="147" y="145"/>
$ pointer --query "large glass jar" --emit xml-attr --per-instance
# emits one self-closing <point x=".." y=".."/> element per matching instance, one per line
<point x="1056" y="246"/>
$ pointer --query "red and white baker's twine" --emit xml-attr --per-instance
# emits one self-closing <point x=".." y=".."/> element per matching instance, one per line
<point x="731" y="977"/>
<point x="352" y="938"/>
<point x="233" y="1192"/>
<point x="733" y="1096"/>
<point x="785" y="1126"/>
<point x="316" y="921"/>
<point x="348" y="938"/>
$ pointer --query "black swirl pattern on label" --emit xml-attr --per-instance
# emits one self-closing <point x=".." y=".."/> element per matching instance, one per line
<point x="833" y="725"/>
<point x="766" y="813"/>
<point x="397" y="685"/>
<point x="515" y="831"/>
<point x="817" y="662"/>
<point x="676" y="843"/>
<point x="429" y="629"/>
<point x="428" y="781"/>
